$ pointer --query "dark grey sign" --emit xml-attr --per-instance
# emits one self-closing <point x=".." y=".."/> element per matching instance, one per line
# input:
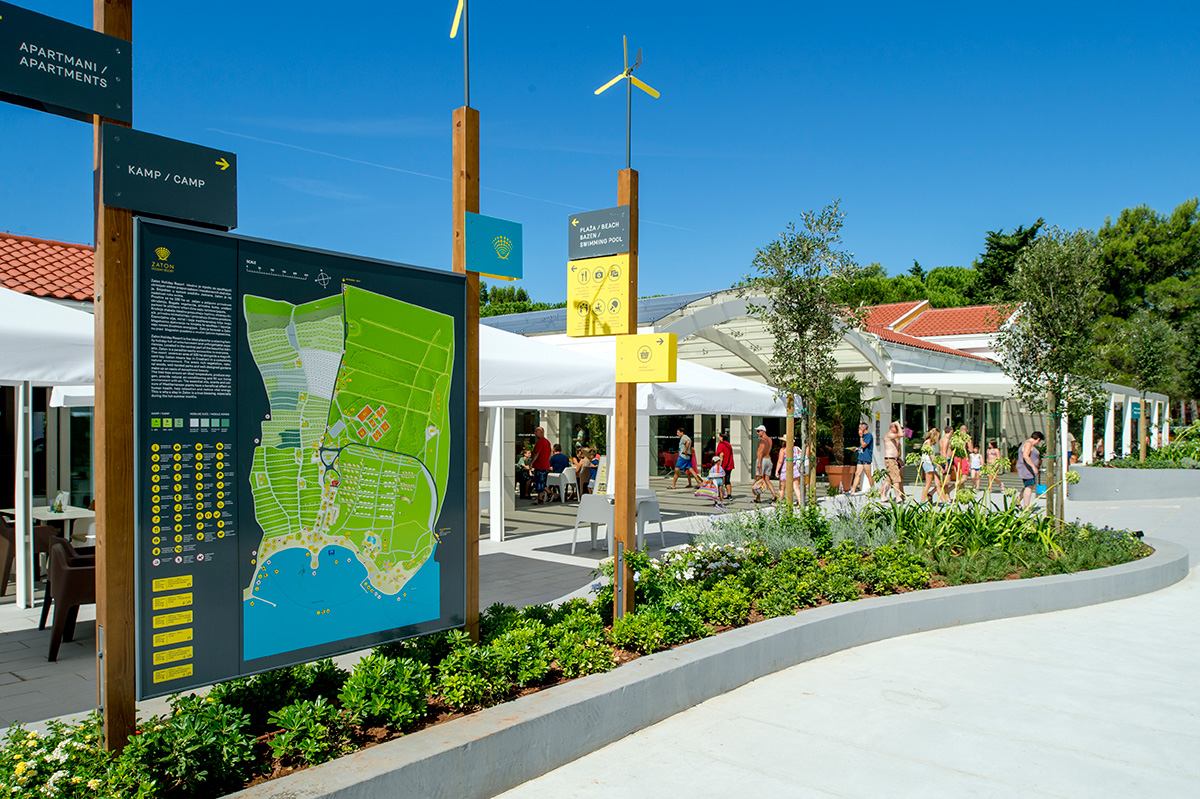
<point x="157" y="176"/>
<point x="65" y="69"/>
<point x="596" y="233"/>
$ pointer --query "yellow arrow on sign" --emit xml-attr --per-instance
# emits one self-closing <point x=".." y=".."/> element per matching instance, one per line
<point x="221" y="162"/>
<point x="574" y="223"/>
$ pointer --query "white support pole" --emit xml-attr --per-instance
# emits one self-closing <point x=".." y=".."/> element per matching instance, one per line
<point x="1166" y="427"/>
<point x="498" y="483"/>
<point x="1110" y="424"/>
<point x="610" y="435"/>
<point x="742" y="439"/>
<point x="642" y="476"/>
<point x="1089" y="440"/>
<point x="1153" y="427"/>
<point x="1127" y="427"/>
<point x="24" y="496"/>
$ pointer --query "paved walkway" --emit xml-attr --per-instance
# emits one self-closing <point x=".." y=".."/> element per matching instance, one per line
<point x="1094" y="702"/>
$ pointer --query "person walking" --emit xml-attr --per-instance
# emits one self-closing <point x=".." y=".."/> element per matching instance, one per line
<point x="541" y="463"/>
<point x="947" y="464"/>
<point x="866" y="451"/>
<point x="764" y="468"/>
<point x="725" y="453"/>
<point x="1029" y="463"/>
<point x="993" y="453"/>
<point x="962" y="457"/>
<point x="893" y="459"/>
<point x="976" y="465"/>
<point x="683" y="461"/>
<point x="933" y="475"/>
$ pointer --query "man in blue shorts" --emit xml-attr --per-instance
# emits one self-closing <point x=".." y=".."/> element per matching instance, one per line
<point x="683" y="461"/>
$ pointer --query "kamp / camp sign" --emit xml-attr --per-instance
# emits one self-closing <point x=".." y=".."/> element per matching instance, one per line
<point x="54" y="66"/>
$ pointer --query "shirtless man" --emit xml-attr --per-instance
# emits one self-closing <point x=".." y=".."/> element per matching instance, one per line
<point x="892" y="460"/>
<point x="764" y="469"/>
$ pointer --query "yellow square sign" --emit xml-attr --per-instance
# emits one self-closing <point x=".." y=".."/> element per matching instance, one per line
<point x="598" y="296"/>
<point x="647" y="358"/>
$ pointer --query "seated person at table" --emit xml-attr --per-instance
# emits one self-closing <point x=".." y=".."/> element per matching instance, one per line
<point x="524" y="473"/>
<point x="558" y="463"/>
<point x="583" y="470"/>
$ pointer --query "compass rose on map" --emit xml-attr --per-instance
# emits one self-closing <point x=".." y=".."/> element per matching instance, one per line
<point x="323" y="279"/>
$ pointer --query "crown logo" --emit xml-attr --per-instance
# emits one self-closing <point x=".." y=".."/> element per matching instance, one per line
<point x="503" y="247"/>
<point x="163" y="253"/>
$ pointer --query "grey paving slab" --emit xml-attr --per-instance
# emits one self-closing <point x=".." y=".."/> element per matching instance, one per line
<point x="1079" y="703"/>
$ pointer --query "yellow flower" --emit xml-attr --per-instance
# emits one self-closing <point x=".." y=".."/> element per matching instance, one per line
<point x="93" y="784"/>
<point x="20" y="769"/>
<point x="76" y="780"/>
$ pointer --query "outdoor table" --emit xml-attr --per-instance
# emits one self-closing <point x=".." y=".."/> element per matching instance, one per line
<point x="42" y="513"/>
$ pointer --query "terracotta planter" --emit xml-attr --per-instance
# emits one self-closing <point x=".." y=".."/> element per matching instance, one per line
<point x="840" y="476"/>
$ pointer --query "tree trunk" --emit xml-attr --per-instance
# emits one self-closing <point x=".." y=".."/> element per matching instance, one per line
<point x="812" y="460"/>
<point x="838" y="433"/>
<point x="1054" y="499"/>
<point x="789" y="439"/>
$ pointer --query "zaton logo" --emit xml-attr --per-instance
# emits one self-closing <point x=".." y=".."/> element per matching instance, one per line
<point x="161" y="265"/>
<point x="503" y="247"/>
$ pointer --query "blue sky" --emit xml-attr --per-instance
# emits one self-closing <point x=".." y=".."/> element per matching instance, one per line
<point x="933" y="123"/>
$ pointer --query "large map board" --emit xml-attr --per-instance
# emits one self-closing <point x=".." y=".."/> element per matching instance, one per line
<point x="298" y="461"/>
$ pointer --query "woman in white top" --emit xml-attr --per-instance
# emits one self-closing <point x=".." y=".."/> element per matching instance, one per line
<point x="976" y="459"/>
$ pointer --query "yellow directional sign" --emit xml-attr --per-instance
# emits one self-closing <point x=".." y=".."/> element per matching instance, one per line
<point x="647" y="358"/>
<point x="598" y="296"/>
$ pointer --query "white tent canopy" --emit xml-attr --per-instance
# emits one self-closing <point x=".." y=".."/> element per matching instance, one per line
<point x="697" y="389"/>
<point x="513" y="368"/>
<point x="43" y="343"/>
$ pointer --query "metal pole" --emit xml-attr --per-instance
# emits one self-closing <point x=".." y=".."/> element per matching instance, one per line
<point x="466" y="59"/>
<point x="628" y="120"/>
<point x="23" y="523"/>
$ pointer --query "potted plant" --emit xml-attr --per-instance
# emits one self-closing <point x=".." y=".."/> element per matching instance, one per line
<point x="842" y="402"/>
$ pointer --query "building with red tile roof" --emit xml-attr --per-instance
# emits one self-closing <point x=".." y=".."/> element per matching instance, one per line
<point x="55" y="270"/>
<point x="894" y="315"/>
<point x="935" y="322"/>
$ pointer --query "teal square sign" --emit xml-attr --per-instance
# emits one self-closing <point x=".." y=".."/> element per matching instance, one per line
<point x="494" y="247"/>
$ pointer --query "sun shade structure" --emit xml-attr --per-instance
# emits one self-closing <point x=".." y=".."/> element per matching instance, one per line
<point x="42" y="343"/>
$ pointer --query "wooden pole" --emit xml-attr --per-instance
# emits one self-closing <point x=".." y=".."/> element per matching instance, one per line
<point x="115" y="643"/>
<point x="466" y="198"/>
<point x="623" y="448"/>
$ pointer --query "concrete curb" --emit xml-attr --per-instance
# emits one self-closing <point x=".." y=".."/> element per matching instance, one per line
<point x="1099" y="482"/>
<point x="496" y="749"/>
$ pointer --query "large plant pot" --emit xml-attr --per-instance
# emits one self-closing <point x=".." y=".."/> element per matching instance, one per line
<point x="840" y="476"/>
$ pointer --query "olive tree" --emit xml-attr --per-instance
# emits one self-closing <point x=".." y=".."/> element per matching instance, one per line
<point x="1048" y="346"/>
<point x="1150" y="342"/>
<point x="793" y="289"/>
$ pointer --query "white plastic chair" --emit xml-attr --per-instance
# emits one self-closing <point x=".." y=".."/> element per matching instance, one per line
<point x="648" y="511"/>
<point x="562" y="480"/>
<point x="594" y="509"/>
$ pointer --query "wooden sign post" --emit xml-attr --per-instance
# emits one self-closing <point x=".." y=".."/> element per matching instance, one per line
<point x="466" y="199"/>
<point x="624" y="457"/>
<point x="115" y="644"/>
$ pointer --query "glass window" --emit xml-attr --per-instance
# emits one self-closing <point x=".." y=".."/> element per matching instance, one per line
<point x="81" y="451"/>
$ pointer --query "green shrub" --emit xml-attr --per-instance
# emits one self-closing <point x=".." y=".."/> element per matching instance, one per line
<point x="579" y="645"/>
<point x="429" y="649"/>
<point x="798" y="561"/>
<point x="472" y="676"/>
<point x="310" y="732"/>
<point x="726" y="603"/>
<point x="497" y="620"/>
<point x="896" y="568"/>
<point x="654" y="628"/>
<point x="203" y="748"/>
<point x="837" y="584"/>
<point x="263" y="694"/>
<point x="524" y="653"/>
<point x="386" y="691"/>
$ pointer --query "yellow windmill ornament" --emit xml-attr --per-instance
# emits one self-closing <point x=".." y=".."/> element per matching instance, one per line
<point x="630" y="81"/>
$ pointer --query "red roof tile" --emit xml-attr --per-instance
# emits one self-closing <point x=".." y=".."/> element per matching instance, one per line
<point x="889" y="313"/>
<point x="957" y="321"/>
<point x="46" y="268"/>
<point x="912" y="341"/>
